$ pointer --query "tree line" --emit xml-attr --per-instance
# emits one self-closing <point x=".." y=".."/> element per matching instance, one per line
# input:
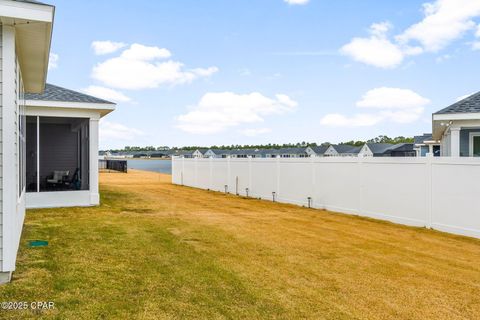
<point x="303" y="144"/>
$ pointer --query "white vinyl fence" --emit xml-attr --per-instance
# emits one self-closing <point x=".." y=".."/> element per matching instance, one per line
<point x="438" y="193"/>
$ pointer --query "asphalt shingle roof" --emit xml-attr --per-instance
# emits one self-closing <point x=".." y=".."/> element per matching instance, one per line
<point x="379" y="148"/>
<point x="320" y="149"/>
<point x="470" y="104"/>
<point x="56" y="93"/>
<point x="346" y="148"/>
<point x="421" y="139"/>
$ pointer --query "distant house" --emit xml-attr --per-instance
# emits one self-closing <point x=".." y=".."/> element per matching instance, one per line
<point x="387" y="150"/>
<point x="217" y="153"/>
<point x="188" y="154"/>
<point x="457" y="128"/>
<point x="425" y="144"/>
<point x="199" y="153"/>
<point x="246" y="153"/>
<point x="286" y="153"/>
<point x="342" y="150"/>
<point x="374" y="149"/>
<point x="400" y="150"/>
<point x="317" y="151"/>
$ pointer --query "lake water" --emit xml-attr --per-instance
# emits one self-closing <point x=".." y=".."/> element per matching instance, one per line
<point x="163" y="166"/>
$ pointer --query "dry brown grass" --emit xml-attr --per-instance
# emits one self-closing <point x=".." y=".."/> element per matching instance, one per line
<point x="198" y="254"/>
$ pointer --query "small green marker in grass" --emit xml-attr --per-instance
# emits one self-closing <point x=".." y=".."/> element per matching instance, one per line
<point x="37" y="243"/>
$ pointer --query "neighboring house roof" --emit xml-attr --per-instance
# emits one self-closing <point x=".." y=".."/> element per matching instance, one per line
<point x="59" y="94"/>
<point x="379" y="148"/>
<point x="221" y="151"/>
<point x="346" y="149"/>
<point x="291" y="151"/>
<point x="421" y="139"/>
<point x="320" y="149"/>
<point x="402" y="147"/>
<point x="470" y="104"/>
<point x="202" y="150"/>
<point x="183" y="152"/>
<point x="247" y="152"/>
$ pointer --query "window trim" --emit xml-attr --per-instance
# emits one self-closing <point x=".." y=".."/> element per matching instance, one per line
<point x="472" y="136"/>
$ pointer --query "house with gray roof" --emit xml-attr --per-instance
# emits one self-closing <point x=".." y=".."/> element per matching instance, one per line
<point x="316" y="151"/>
<point x="217" y="153"/>
<point x="342" y="150"/>
<point x="456" y="128"/>
<point x="425" y="145"/>
<point x="387" y="150"/>
<point x="49" y="136"/>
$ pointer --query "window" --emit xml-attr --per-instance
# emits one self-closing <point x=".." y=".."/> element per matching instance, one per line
<point x="475" y="144"/>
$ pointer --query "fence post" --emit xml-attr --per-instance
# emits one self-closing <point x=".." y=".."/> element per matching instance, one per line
<point x="210" y="178"/>
<point x="228" y="172"/>
<point x="277" y="191"/>
<point x="310" y="199"/>
<point x="360" y="161"/>
<point x="249" y="175"/>
<point x="428" y="195"/>
<point x="195" y="172"/>
<point x="183" y="169"/>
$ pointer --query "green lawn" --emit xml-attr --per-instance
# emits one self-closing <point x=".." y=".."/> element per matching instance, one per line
<point x="157" y="251"/>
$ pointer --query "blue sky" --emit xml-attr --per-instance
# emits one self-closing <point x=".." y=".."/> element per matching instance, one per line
<point x="187" y="72"/>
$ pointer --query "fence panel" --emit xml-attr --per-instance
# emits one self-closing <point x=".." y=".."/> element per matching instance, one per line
<point x="263" y="178"/>
<point x="439" y="193"/>
<point x="336" y="185"/>
<point x="219" y="174"/>
<point x="394" y="190"/>
<point x="295" y="181"/>
<point x="455" y="197"/>
<point x="239" y="179"/>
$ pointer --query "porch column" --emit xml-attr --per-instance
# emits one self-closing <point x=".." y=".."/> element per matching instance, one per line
<point x="93" y="154"/>
<point x="455" y="142"/>
<point x="430" y="151"/>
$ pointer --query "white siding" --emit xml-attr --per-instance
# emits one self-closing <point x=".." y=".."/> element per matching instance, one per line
<point x="12" y="201"/>
<point x="1" y="185"/>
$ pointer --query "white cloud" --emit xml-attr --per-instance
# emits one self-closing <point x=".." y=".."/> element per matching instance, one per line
<point x="392" y="98"/>
<point x="391" y="104"/>
<point x="255" y="132"/>
<point x="145" y="53"/>
<point x="217" y="111"/>
<point x="444" y="22"/>
<point x="297" y="2"/>
<point x="116" y="131"/>
<point x="141" y="67"/>
<point x="106" y="47"/>
<point x="53" y="61"/>
<point x="376" y="50"/>
<point x="106" y="93"/>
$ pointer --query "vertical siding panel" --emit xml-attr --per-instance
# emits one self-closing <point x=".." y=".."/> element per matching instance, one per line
<point x="1" y="155"/>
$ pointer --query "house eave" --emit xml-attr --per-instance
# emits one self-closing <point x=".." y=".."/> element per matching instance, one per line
<point x="102" y="108"/>
<point x="33" y="33"/>
<point x="456" y="116"/>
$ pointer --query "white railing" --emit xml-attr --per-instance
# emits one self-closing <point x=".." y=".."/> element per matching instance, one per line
<point x="438" y="193"/>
